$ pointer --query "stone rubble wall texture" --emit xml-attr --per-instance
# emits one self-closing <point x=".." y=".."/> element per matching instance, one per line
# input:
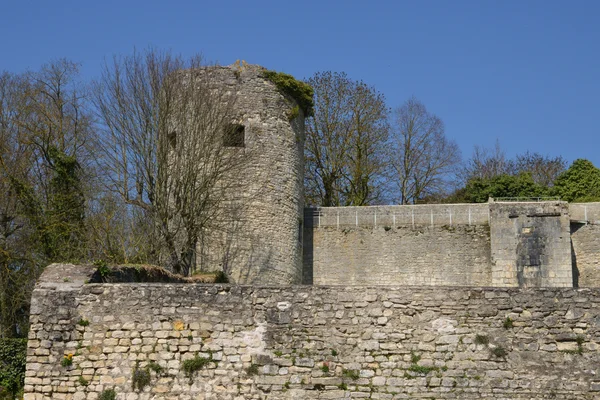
<point x="261" y="243"/>
<point x="308" y="342"/>
<point x="521" y="244"/>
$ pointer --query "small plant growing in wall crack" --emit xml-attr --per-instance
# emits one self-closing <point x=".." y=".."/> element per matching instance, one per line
<point x="83" y="322"/>
<point x="499" y="351"/>
<point x="67" y="360"/>
<point x="351" y="373"/>
<point x="103" y="269"/>
<point x="252" y="370"/>
<point x="482" y="339"/>
<point x="191" y="366"/>
<point x="108" y="394"/>
<point x="580" y="339"/>
<point x="325" y="368"/>
<point x="140" y="379"/>
<point x="508" y="323"/>
<point x="414" y="358"/>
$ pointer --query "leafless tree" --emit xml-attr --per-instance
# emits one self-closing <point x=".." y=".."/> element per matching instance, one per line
<point x="345" y="137"/>
<point x="487" y="163"/>
<point x="169" y="146"/>
<point x="421" y="157"/>
<point x="544" y="169"/>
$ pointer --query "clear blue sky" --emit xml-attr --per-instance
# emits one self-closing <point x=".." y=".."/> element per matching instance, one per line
<point x="525" y="72"/>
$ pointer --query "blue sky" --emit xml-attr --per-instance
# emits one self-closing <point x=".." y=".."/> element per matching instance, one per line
<point x="523" y="72"/>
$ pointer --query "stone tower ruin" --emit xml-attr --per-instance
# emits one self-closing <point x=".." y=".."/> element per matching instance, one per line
<point x="261" y="241"/>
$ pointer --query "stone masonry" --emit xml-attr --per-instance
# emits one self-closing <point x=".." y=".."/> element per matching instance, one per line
<point x="309" y="342"/>
<point x="260" y="242"/>
<point x="535" y="244"/>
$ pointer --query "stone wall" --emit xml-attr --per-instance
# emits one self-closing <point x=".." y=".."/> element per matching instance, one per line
<point x="493" y="244"/>
<point x="585" y="242"/>
<point x="585" y="239"/>
<point x="258" y="240"/>
<point x="393" y="216"/>
<point x="437" y="244"/>
<point x="305" y="342"/>
<point x="531" y="244"/>
<point x="402" y="255"/>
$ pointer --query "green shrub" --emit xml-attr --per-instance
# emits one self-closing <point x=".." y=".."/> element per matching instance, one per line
<point x="13" y="353"/>
<point x="67" y="360"/>
<point x="252" y="370"/>
<point x="83" y="322"/>
<point x="108" y="394"/>
<point x="421" y="370"/>
<point x="140" y="378"/>
<point x="414" y="358"/>
<point x="190" y="367"/>
<point x="499" y="352"/>
<point x="482" y="339"/>
<point x="82" y="381"/>
<point x="155" y="367"/>
<point x="508" y="323"/>
<point x="293" y="113"/>
<point x="300" y="91"/>
<point x="221" y="277"/>
<point x="351" y="373"/>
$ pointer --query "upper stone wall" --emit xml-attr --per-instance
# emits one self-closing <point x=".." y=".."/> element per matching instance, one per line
<point x="400" y="215"/>
<point x="457" y="255"/>
<point x="587" y="213"/>
<point x="531" y="244"/>
<point x="492" y="244"/>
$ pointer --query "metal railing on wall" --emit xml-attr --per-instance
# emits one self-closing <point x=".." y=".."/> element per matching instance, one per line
<point x="588" y="213"/>
<point x="526" y="199"/>
<point x="394" y="216"/>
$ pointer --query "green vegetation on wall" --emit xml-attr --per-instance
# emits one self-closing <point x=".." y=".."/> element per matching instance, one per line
<point x="13" y="353"/>
<point x="579" y="183"/>
<point x="300" y="91"/>
<point x="479" y="190"/>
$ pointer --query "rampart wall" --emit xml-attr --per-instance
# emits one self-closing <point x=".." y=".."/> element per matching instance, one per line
<point x="526" y="244"/>
<point x="308" y="342"/>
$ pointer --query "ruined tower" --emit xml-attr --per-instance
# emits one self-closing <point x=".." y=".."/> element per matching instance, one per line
<point x="260" y="241"/>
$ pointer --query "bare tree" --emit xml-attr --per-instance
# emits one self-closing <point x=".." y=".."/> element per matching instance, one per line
<point x="487" y="163"/>
<point x="345" y="137"/>
<point x="169" y="146"/>
<point x="544" y="169"/>
<point x="422" y="157"/>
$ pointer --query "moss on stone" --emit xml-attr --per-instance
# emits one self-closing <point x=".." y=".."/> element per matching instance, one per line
<point x="300" y="91"/>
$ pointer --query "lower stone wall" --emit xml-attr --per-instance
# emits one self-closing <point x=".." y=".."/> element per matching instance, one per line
<point x="307" y="342"/>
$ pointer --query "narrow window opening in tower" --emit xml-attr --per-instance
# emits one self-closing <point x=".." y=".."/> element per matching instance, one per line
<point x="234" y="136"/>
<point x="172" y="137"/>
